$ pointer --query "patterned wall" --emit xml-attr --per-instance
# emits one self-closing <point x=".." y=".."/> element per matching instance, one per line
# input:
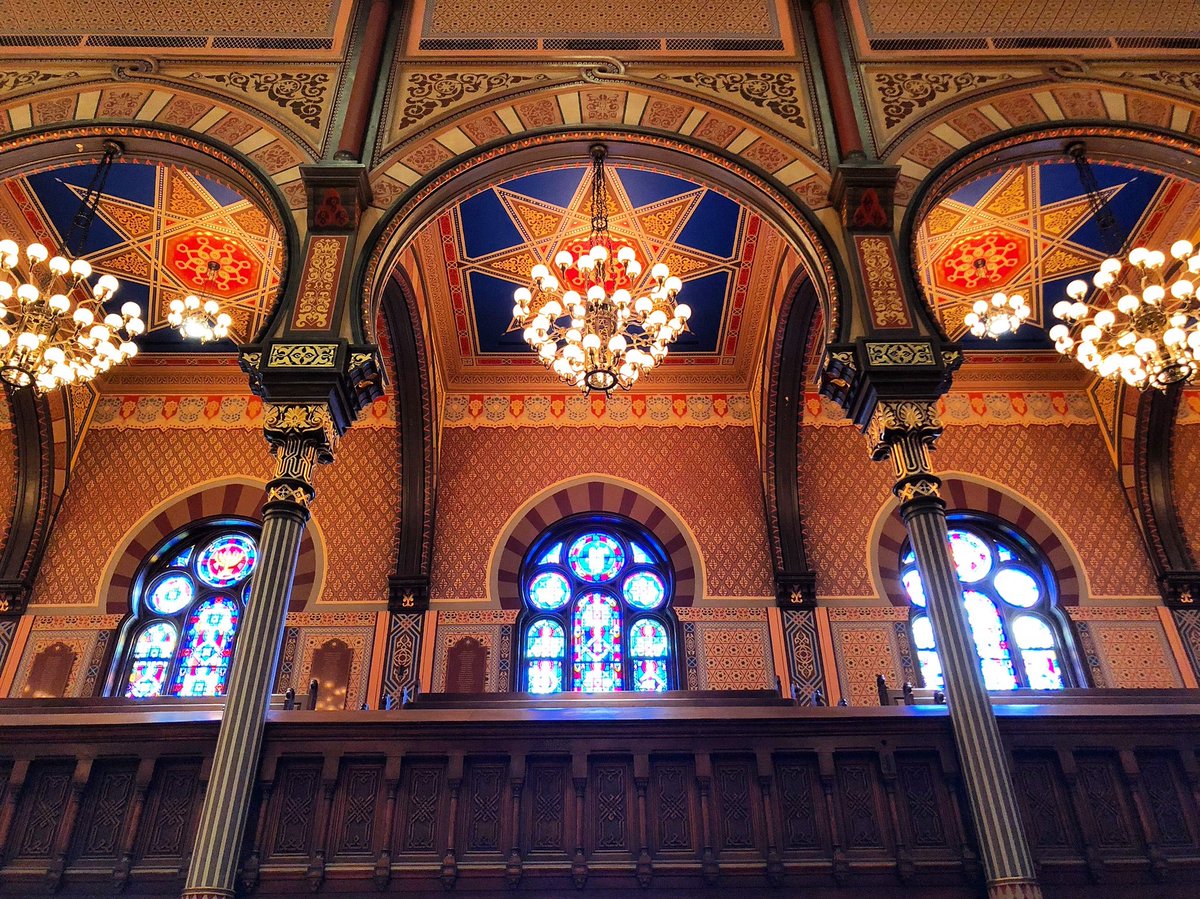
<point x="727" y="649"/>
<point x="1125" y="647"/>
<point x="867" y="642"/>
<point x="841" y="491"/>
<point x="493" y="628"/>
<point x="88" y="637"/>
<point x="306" y="632"/>
<point x="356" y="504"/>
<point x="710" y="477"/>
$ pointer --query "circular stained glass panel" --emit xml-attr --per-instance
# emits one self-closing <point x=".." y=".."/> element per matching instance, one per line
<point x="644" y="590"/>
<point x="227" y="560"/>
<point x="549" y="590"/>
<point x="972" y="557"/>
<point x="170" y="593"/>
<point x="1017" y="587"/>
<point x="596" y="558"/>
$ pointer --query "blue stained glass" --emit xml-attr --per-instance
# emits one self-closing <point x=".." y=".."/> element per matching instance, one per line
<point x="152" y="654"/>
<point x="596" y="639"/>
<point x="1017" y="587"/>
<point x="171" y="593"/>
<point x="914" y="587"/>
<point x="596" y="558"/>
<point x="544" y="676"/>
<point x="990" y="642"/>
<point x="549" y="590"/>
<point x="640" y="556"/>
<point x="909" y="558"/>
<point x="644" y="590"/>
<point x="227" y="560"/>
<point x="650" y="675"/>
<point x="1004" y="553"/>
<point x="1036" y="642"/>
<point x="648" y="640"/>
<point x="545" y="640"/>
<point x="181" y="560"/>
<point x="552" y="556"/>
<point x="207" y="648"/>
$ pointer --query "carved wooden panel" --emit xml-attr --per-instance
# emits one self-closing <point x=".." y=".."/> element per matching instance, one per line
<point x="297" y="789"/>
<point x="40" y="810"/>
<point x="1170" y="805"/>
<point x="547" y="785"/>
<point x="798" y="787"/>
<point x="330" y="668"/>
<point x="481" y="810"/>
<point x="420" y="828"/>
<point x="671" y="801"/>
<point x="171" y="810"/>
<point x="1105" y="797"/>
<point x="610" y="784"/>
<point x="861" y="803"/>
<point x="923" y="808"/>
<point x="736" y="799"/>
<point x="1045" y="808"/>
<point x="357" y="805"/>
<point x="103" y="810"/>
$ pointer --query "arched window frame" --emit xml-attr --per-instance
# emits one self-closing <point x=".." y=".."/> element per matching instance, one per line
<point x="1027" y="556"/>
<point x="626" y="532"/>
<point x="157" y="565"/>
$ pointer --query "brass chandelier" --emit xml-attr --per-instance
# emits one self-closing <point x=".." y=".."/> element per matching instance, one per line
<point x="1142" y="325"/>
<point x="54" y="330"/>
<point x="196" y="320"/>
<point x="584" y="322"/>
<point x="1001" y="315"/>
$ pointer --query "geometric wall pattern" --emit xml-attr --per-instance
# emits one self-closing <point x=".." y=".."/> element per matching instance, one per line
<point x="1125" y="647"/>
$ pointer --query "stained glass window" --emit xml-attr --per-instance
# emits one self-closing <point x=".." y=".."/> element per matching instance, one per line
<point x="189" y="601"/>
<point x="597" y="590"/>
<point x="1008" y="600"/>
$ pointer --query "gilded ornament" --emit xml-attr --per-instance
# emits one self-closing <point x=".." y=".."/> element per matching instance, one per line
<point x="288" y="494"/>
<point x="303" y="94"/>
<point x="318" y="290"/>
<point x="903" y="93"/>
<point x="775" y="92"/>
<point x="427" y="92"/>
<point x="884" y="293"/>
<point x="900" y="353"/>
<point x="303" y="355"/>
<point x="893" y="419"/>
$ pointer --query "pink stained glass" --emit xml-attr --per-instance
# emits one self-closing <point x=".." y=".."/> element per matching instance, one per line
<point x="596" y="638"/>
<point x="549" y="591"/>
<point x="207" y="649"/>
<point x="644" y="591"/>
<point x="544" y="639"/>
<point x="914" y="587"/>
<point x="227" y="560"/>
<point x="596" y="557"/>
<point x="170" y="594"/>
<point x="649" y="675"/>
<point x="544" y="676"/>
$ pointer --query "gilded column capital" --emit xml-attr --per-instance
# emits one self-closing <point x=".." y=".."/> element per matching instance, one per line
<point x="905" y="431"/>
<point x="302" y="436"/>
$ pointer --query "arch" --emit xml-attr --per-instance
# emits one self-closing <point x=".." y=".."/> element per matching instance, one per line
<point x="997" y="108"/>
<point x="430" y="196"/>
<point x="212" y="500"/>
<point x="784" y="378"/>
<point x="964" y="492"/>
<point x="594" y="493"/>
<point x="782" y="141"/>
<point x="148" y="103"/>
<point x="413" y="384"/>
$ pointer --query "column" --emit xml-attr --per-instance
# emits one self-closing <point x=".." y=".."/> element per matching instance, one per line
<point x="301" y="436"/>
<point x="905" y="431"/>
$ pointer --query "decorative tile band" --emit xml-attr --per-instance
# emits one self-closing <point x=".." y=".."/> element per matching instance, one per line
<point x="562" y="410"/>
<point x="219" y="412"/>
<point x="985" y="408"/>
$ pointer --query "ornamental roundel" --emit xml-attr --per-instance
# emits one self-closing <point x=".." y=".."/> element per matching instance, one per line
<point x="1002" y="252"/>
<point x="190" y="254"/>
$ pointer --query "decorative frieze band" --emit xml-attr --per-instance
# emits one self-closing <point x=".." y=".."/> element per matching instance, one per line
<point x="984" y="408"/>
<point x="576" y="410"/>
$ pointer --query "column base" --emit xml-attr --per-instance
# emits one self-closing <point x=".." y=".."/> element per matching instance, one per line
<point x="1014" y="889"/>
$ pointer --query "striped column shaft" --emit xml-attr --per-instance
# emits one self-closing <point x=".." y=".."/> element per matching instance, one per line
<point x="1007" y="861"/>
<point x="226" y="803"/>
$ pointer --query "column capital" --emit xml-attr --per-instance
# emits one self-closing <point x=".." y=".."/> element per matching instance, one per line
<point x="905" y="431"/>
<point x="302" y="436"/>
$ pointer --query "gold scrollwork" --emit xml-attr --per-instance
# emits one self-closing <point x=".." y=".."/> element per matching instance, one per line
<point x="884" y="293"/>
<point x="308" y="423"/>
<point x="303" y="355"/>
<point x="286" y="493"/>
<point x="904" y="431"/>
<point x="900" y="353"/>
<point x="252" y="359"/>
<point x="918" y="489"/>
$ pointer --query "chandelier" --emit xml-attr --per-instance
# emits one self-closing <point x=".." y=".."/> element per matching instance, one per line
<point x="1142" y="325"/>
<point x="584" y="321"/>
<point x="1003" y="315"/>
<point x="196" y="320"/>
<point x="53" y="327"/>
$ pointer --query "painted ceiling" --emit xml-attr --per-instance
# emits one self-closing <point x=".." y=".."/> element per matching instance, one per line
<point x="1036" y="231"/>
<point x="156" y="229"/>
<point x="471" y="258"/>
